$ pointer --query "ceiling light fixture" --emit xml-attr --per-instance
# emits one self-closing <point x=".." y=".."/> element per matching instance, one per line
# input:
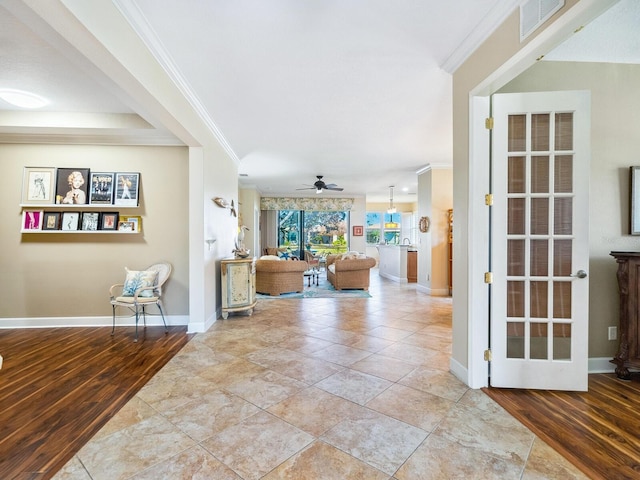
<point x="392" y="208"/>
<point x="318" y="190"/>
<point x="20" y="98"/>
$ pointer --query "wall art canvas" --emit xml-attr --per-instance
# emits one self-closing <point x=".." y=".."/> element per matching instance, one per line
<point x="70" y="221"/>
<point x="72" y="185"/>
<point x="127" y="189"/>
<point x="51" y="221"/>
<point x="109" y="221"/>
<point x="38" y="186"/>
<point x="32" y="220"/>
<point x="101" y="188"/>
<point x="90" y="221"/>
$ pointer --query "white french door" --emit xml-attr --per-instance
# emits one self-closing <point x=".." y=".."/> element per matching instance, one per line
<point x="540" y="246"/>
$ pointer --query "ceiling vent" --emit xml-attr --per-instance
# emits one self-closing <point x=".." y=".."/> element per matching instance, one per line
<point x="534" y="13"/>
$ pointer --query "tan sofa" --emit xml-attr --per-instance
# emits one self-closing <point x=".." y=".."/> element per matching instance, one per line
<point x="274" y="277"/>
<point x="349" y="272"/>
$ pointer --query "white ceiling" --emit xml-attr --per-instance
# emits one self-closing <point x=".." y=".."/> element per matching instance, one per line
<point x="352" y="90"/>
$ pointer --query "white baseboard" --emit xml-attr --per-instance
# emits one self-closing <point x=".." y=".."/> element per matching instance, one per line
<point x="434" y="292"/>
<point x="51" y="322"/>
<point x="459" y="370"/>
<point x="601" y="365"/>
<point x="201" y="327"/>
<point x="596" y="365"/>
<point x="393" y="278"/>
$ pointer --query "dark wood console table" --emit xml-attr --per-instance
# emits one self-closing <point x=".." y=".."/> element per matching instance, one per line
<point x="628" y="355"/>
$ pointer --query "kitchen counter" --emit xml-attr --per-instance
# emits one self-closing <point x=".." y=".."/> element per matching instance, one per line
<point x="392" y="263"/>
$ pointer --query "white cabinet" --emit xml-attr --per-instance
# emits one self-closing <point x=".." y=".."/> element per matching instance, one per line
<point x="238" y="278"/>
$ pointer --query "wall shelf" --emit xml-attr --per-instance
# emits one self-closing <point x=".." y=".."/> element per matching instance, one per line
<point x="65" y="206"/>
<point x="64" y="232"/>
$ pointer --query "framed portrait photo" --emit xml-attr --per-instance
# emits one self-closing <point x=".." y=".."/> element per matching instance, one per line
<point x="70" y="221"/>
<point x="90" y="221"/>
<point x="51" y="221"/>
<point x="101" y="188"/>
<point x="127" y="189"/>
<point x="109" y="221"/>
<point x="32" y="220"/>
<point x="358" y="230"/>
<point x="72" y="185"/>
<point x="137" y="222"/>
<point x="38" y="185"/>
<point x="125" y="226"/>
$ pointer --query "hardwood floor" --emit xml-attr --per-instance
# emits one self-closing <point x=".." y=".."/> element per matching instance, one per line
<point x="598" y="431"/>
<point x="59" y="386"/>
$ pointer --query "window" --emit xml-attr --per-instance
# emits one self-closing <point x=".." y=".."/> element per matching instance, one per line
<point x="383" y="228"/>
<point x="321" y="232"/>
<point x="373" y="227"/>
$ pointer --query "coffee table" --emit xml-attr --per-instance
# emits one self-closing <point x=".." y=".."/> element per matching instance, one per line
<point x="312" y="276"/>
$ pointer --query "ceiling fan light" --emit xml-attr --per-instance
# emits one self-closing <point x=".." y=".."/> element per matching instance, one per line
<point x="318" y="190"/>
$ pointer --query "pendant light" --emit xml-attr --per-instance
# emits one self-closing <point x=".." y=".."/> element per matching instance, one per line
<point x="392" y="208"/>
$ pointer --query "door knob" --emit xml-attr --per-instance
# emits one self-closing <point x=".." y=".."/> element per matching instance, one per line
<point x="580" y="274"/>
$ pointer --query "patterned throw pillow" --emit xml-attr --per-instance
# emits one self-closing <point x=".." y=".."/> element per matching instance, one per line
<point x="139" y="279"/>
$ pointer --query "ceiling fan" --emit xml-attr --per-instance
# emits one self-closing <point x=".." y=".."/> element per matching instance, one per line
<point x="319" y="186"/>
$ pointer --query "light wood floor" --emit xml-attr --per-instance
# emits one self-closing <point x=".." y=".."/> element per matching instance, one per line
<point x="58" y="386"/>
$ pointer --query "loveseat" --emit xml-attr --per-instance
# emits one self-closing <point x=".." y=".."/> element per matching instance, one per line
<point x="349" y="270"/>
<point x="275" y="276"/>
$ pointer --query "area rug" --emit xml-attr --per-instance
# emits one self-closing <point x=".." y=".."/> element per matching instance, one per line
<point x="323" y="290"/>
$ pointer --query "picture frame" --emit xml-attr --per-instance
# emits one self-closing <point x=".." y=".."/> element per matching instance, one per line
<point x="126" y="226"/>
<point x="71" y="186"/>
<point x="101" y="187"/>
<point x="90" y="221"/>
<point x="51" y="221"/>
<point x="38" y="185"/>
<point x="634" y="220"/>
<point x="70" y="221"/>
<point x="137" y="222"/>
<point x="32" y="220"/>
<point x="358" y="230"/>
<point x="109" y="221"/>
<point x="127" y="189"/>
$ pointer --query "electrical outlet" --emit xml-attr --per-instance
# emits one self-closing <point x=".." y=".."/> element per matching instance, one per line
<point x="613" y="333"/>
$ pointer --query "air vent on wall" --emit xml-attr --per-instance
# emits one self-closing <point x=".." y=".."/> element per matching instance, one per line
<point x="534" y="13"/>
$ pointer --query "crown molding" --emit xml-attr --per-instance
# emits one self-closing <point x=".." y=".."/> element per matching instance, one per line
<point x="434" y="166"/>
<point x="489" y="23"/>
<point x="132" y="13"/>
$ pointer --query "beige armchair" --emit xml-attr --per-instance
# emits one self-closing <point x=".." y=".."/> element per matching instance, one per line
<point x="274" y="277"/>
<point x="348" y="271"/>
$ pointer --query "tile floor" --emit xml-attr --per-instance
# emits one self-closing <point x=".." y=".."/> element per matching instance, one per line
<point x="318" y="389"/>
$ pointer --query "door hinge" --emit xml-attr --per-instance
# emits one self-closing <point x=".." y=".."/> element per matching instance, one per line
<point x="488" y="123"/>
<point x="488" y="199"/>
<point x="488" y="277"/>
<point x="487" y="355"/>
